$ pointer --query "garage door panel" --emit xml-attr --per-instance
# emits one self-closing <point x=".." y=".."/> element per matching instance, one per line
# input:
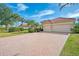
<point x="62" y="28"/>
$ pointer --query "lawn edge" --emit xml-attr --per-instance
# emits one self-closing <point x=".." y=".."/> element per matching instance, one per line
<point x="64" y="44"/>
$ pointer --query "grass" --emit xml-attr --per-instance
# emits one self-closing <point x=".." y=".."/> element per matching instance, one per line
<point x="71" y="47"/>
<point x="5" y="34"/>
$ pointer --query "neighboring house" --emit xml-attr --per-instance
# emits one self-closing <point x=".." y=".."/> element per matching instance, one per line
<point x="25" y="26"/>
<point x="58" y="25"/>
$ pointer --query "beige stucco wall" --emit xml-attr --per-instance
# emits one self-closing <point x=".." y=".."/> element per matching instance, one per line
<point x="47" y="27"/>
<point x="61" y="27"/>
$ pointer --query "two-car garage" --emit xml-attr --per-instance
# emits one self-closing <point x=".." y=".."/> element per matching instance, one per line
<point x="62" y="28"/>
<point x="58" y="25"/>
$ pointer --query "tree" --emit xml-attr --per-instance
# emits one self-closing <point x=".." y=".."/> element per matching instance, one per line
<point x="19" y="18"/>
<point x="7" y="18"/>
<point x="75" y="29"/>
<point x="22" y="20"/>
<point x="2" y="7"/>
<point x="32" y="25"/>
<point x="16" y="17"/>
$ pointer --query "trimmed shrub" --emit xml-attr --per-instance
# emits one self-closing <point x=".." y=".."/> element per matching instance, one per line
<point x="31" y="30"/>
<point x="75" y="29"/>
<point x="2" y="29"/>
<point x="15" y="29"/>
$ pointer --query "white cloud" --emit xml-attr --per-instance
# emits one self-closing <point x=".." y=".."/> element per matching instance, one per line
<point x="73" y="14"/>
<point x="21" y="7"/>
<point x="44" y="13"/>
<point x="76" y="11"/>
<point x="39" y="15"/>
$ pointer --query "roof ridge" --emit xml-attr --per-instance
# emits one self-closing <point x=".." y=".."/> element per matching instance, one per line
<point x="60" y="19"/>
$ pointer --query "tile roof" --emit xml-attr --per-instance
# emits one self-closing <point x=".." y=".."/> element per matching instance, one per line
<point x="60" y="20"/>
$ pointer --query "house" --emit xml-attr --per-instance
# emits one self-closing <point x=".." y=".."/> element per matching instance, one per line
<point x="58" y="25"/>
<point x="25" y="26"/>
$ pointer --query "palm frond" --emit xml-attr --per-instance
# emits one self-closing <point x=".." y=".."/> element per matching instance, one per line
<point x="62" y="5"/>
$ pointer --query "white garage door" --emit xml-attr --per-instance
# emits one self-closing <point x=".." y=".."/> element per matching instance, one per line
<point x="62" y="28"/>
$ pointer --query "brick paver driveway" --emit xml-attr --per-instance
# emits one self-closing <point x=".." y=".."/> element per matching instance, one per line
<point x="33" y="44"/>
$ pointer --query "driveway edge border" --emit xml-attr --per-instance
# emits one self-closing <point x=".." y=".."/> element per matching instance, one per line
<point x="64" y="43"/>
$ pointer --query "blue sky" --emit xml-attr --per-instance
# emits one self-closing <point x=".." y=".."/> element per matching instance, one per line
<point x="43" y="11"/>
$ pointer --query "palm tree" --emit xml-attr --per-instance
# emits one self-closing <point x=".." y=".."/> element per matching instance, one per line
<point x="32" y="24"/>
<point x="16" y="17"/>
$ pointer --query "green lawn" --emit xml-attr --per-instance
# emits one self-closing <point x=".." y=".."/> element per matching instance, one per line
<point x="4" y="34"/>
<point x="71" y="47"/>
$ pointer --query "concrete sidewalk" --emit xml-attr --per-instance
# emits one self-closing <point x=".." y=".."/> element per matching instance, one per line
<point x="33" y="44"/>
